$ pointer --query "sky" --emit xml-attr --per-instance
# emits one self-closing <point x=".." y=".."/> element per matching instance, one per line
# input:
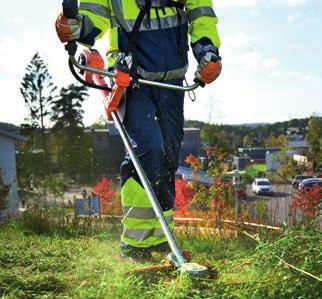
<point x="271" y="54"/>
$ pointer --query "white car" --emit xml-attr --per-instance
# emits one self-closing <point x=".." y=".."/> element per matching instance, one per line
<point x="262" y="186"/>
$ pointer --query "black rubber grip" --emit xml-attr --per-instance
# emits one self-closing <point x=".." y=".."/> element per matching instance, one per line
<point x="70" y="8"/>
<point x="199" y="81"/>
<point x="215" y="58"/>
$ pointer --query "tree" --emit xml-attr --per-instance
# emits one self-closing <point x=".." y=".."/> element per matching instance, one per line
<point x="184" y="195"/>
<point x="30" y="160"/>
<point x="279" y="141"/>
<point x="314" y="138"/>
<point x="288" y="166"/>
<point x="247" y="141"/>
<point x="309" y="202"/>
<point x="101" y="123"/>
<point x="216" y="136"/>
<point x="219" y="196"/>
<point x="4" y="191"/>
<point x="71" y="147"/>
<point x="38" y="90"/>
<point x="66" y="110"/>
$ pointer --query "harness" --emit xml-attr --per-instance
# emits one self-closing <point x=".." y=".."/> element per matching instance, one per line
<point x="145" y="10"/>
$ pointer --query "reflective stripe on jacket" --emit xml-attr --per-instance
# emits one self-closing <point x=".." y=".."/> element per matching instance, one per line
<point x="161" y="43"/>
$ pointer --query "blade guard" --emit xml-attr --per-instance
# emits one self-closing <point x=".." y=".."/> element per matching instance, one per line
<point x="122" y="80"/>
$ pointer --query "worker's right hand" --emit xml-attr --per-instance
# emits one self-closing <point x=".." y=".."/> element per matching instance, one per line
<point x="209" y="68"/>
<point x="68" y="29"/>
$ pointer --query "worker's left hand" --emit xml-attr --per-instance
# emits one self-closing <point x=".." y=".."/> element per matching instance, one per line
<point x="209" y="68"/>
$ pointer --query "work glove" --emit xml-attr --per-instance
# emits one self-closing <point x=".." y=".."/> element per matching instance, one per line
<point x="209" y="68"/>
<point x="69" y="29"/>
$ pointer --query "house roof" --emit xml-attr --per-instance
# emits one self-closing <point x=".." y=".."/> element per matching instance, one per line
<point x="186" y="173"/>
<point x="10" y="131"/>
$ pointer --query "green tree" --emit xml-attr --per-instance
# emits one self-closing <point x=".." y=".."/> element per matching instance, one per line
<point x="71" y="147"/>
<point x="279" y="141"/>
<point x="101" y="123"/>
<point x="314" y="138"/>
<point x="4" y="191"/>
<point x="216" y="136"/>
<point x="38" y="92"/>
<point x="288" y="167"/>
<point x="67" y="108"/>
<point x="247" y="141"/>
<point x="30" y="160"/>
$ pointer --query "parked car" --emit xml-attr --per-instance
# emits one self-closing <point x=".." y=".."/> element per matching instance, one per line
<point x="299" y="178"/>
<point x="307" y="184"/>
<point x="262" y="186"/>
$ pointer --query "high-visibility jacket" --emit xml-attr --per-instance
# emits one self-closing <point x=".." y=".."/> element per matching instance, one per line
<point x="162" y="44"/>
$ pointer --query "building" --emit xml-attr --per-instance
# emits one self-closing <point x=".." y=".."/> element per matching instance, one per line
<point x="187" y="174"/>
<point x="109" y="152"/>
<point x="8" y="139"/>
<point x="257" y="154"/>
<point x="190" y="145"/>
<point x="241" y="163"/>
<point x="297" y="148"/>
<point x="274" y="161"/>
<point x="297" y="144"/>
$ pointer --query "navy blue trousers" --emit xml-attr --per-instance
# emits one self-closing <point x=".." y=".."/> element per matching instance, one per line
<point x="154" y="120"/>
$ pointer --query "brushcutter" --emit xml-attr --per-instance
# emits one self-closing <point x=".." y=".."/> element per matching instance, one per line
<point x="91" y="67"/>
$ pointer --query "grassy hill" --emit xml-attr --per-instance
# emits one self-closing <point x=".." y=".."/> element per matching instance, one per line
<point x="84" y="262"/>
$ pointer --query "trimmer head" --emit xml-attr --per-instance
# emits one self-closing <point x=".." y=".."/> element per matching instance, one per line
<point x="194" y="269"/>
<point x="171" y="267"/>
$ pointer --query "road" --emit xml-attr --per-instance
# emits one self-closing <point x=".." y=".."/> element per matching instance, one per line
<point x="278" y="205"/>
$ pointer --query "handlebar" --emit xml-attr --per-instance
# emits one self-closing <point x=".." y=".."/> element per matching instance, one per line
<point x="70" y="8"/>
<point x="141" y="81"/>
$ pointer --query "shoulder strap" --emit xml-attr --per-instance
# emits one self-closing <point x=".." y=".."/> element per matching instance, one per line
<point x="171" y="3"/>
<point x="131" y="44"/>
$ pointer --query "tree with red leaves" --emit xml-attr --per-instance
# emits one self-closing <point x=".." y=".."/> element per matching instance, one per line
<point x="103" y="190"/>
<point x="184" y="195"/>
<point x="309" y="202"/>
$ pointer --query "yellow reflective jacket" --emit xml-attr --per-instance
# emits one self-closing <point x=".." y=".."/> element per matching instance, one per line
<point x="163" y="43"/>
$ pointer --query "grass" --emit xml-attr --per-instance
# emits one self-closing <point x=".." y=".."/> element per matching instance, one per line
<point x="66" y="266"/>
<point x="85" y="263"/>
<point x="253" y="170"/>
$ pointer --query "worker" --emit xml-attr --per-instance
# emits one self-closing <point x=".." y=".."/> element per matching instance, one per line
<point x="155" y="34"/>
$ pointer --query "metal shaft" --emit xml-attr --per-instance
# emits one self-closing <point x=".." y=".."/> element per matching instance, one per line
<point x="141" y="81"/>
<point x="147" y="186"/>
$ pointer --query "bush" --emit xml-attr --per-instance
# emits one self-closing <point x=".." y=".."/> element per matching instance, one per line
<point x="184" y="195"/>
<point x="309" y="203"/>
